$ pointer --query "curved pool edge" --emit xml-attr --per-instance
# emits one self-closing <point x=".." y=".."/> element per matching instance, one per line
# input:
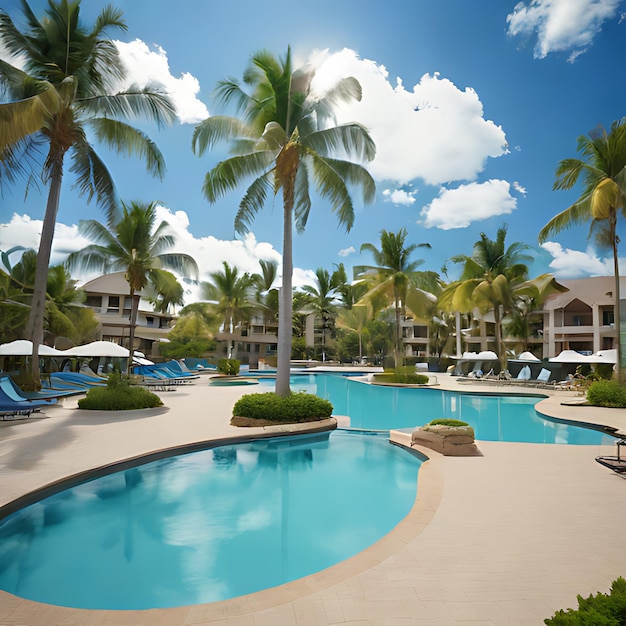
<point x="430" y="484"/>
<point x="118" y="465"/>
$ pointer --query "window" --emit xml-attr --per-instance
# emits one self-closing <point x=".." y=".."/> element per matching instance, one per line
<point x="608" y="317"/>
<point x="95" y="302"/>
<point x="114" y="304"/>
<point x="149" y="320"/>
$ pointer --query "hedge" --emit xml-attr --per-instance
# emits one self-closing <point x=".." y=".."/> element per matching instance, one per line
<point x="294" y="408"/>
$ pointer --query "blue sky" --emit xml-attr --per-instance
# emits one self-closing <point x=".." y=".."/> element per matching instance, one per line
<point x="471" y="104"/>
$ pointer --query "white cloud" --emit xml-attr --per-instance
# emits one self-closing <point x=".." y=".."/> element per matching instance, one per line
<point x="519" y="188"/>
<point x="399" y="196"/>
<point x="561" y="25"/>
<point x="209" y="252"/>
<point x="434" y="131"/>
<point x="149" y="67"/>
<point x="457" y="208"/>
<point x="568" y="263"/>
<point x="347" y="251"/>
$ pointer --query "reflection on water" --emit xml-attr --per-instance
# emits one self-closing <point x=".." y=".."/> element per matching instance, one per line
<point x="210" y="525"/>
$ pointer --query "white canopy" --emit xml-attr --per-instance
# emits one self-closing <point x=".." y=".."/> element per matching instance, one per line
<point x="604" y="356"/>
<point x="571" y="356"/>
<point x="97" y="348"/>
<point x="24" y="347"/>
<point x="527" y="356"/>
<point x="485" y="355"/>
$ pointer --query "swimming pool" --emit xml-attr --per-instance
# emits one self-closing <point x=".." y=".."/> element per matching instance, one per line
<point x="209" y="525"/>
<point x="493" y="417"/>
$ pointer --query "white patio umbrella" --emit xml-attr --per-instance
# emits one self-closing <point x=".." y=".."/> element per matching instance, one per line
<point x="527" y="356"/>
<point x="604" y="356"/>
<point x="571" y="356"/>
<point x="24" y="347"/>
<point x="98" y="348"/>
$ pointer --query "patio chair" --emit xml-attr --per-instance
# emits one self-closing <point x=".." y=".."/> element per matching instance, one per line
<point x="8" y="385"/>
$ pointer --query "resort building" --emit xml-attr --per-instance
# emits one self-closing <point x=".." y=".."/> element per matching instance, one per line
<point x="581" y="319"/>
<point x="109" y="297"/>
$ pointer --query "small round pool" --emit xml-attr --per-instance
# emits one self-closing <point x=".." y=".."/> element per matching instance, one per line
<point x="209" y="525"/>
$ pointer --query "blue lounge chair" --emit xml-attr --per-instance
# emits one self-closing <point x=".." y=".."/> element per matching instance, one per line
<point x="10" y="407"/>
<point x="76" y="377"/>
<point x="8" y="385"/>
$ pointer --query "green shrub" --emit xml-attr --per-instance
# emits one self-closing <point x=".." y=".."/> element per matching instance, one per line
<point x="599" y="610"/>
<point x="403" y="375"/>
<point x="607" y="393"/>
<point x="296" y="407"/>
<point x="229" y="367"/>
<point x="119" y="395"/>
<point x="604" y="370"/>
<point x="446" y="421"/>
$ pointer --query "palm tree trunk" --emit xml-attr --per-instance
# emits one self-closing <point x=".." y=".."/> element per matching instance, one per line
<point x="498" y="332"/>
<point x="134" y="309"/>
<point x="34" y="329"/>
<point x="285" y="309"/>
<point x="621" y="374"/>
<point x="398" y="334"/>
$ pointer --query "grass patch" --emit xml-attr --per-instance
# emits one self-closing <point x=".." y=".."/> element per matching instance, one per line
<point x="402" y="375"/>
<point x="263" y="409"/>
<point x="447" y="421"/>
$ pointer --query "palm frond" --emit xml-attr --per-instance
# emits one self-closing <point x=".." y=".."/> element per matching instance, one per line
<point x="134" y="103"/>
<point x="109" y="17"/>
<point x="302" y="197"/>
<point x="357" y="176"/>
<point x="22" y="118"/>
<point x="228" y="93"/>
<point x="216" y="129"/>
<point x="332" y="187"/>
<point x="578" y="213"/>
<point x="126" y="139"/>
<point x="253" y="201"/>
<point x="228" y="174"/>
<point x="183" y="264"/>
<point x="93" y="178"/>
<point x="344" y="90"/>
<point x="351" y="139"/>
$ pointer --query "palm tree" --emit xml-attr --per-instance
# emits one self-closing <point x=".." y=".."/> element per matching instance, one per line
<point x="355" y="319"/>
<point x="284" y="141"/>
<point x="232" y="294"/>
<point x="397" y="278"/>
<point x="136" y="245"/>
<point x="167" y="292"/>
<point x="493" y="277"/>
<point x="66" y="90"/>
<point x="322" y="301"/>
<point x="603" y="172"/>
<point x="266" y="295"/>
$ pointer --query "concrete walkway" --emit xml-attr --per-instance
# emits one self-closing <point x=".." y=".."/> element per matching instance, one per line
<point x="506" y="538"/>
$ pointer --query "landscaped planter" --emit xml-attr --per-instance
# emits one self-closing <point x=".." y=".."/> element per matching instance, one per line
<point x="447" y="440"/>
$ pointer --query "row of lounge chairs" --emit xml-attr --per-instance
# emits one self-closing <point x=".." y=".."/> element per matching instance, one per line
<point x="165" y="375"/>
<point x="524" y="378"/>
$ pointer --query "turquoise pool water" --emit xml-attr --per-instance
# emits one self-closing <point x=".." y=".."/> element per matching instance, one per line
<point x="210" y="525"/>
<point x="494" y="418"/>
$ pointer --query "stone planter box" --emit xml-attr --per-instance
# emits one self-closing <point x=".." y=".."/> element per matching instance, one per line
<point x="447" y="440"/>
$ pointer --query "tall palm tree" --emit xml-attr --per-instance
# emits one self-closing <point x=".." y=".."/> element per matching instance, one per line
<point x="136" y="245"/>
<point x="603" y="173"/>
<point x="396" y="277"/>
<point x="284" y="140"/>
<point x="64" y="91"/>
<point x="232" y="294"/>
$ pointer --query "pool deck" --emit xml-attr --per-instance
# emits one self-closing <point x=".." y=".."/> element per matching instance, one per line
<point x="501" y="539"/>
